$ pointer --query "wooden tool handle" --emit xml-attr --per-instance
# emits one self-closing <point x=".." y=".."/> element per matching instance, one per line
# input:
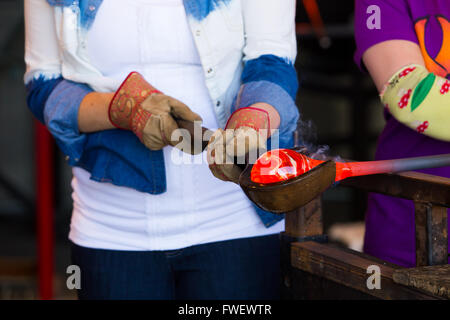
<point x="189" y="126"/>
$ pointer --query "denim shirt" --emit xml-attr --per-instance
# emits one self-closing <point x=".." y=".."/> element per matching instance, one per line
<point x="246" y="47"/>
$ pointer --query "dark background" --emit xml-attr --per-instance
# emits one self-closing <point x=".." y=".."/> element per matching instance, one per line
<point x="340" y="101"/>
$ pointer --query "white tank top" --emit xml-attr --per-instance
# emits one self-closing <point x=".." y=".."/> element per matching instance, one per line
<point x="153" y="38"/>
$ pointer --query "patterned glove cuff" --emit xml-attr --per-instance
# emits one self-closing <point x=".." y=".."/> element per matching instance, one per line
<point x="249" y="117"/>
<point x="124" y="110"/>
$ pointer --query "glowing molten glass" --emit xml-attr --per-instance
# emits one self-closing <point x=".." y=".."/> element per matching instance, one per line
<point x="281" y="165"/>
<point x="284" y="164"/>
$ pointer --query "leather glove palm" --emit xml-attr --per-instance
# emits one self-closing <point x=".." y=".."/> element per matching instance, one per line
<point x="245" y="135"/>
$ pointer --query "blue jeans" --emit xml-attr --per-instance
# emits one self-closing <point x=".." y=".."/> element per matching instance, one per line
<point x="246" y="268"/>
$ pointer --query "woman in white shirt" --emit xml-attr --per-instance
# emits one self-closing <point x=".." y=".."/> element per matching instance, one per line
<point x="149" y="221"/>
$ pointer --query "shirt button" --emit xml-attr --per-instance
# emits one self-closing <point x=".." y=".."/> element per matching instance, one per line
<point x="210" y="70"/>
<point x="197" y="33"/>
<point x="92" y="8"/>
<point x="218" y="103"/>
<point x="67" y="158"/>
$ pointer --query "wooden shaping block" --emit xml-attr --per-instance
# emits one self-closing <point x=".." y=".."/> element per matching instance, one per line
<point x="433" y="279"/>
<point x="348" y="268"/>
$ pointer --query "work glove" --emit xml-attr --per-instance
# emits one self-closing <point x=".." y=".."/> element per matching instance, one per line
<point x="150" y="114"/>
<point x="243" y="140"/>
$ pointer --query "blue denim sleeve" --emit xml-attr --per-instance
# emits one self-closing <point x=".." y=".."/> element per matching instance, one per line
<point x="38" y="91"/>
<point x="272" y="80"/>
<point x="271" y="68"/>
<point x="61" y="118"/>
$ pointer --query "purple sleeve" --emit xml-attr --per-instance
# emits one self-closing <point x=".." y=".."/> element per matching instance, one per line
<point x="395" y="23"/>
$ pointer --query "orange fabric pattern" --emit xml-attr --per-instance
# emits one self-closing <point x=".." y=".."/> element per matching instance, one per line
<point x="440" y="64"/>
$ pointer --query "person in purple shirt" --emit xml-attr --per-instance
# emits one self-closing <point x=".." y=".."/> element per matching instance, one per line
<point x="391" y="35"/>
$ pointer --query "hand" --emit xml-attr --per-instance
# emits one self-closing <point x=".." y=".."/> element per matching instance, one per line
<point x="139" y="107"/>
<point x="245" y="135"/>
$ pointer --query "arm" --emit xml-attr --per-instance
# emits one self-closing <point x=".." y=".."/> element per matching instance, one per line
<point x="269" y="75"/>
<point x="52" y="99"/>
<point x="70" y="109"/>
<point x="386" y="58"/>
<point x="93" y="112"/>
<point x="43" y="66"/>
<point x="415" y="97"/>
<point x="391" y="53"/>
<point x="266" y="99"/>
<point x="44" y="70"/>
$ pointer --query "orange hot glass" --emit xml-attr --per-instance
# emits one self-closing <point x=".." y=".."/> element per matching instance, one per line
<point x="281" y="165"/>
<point x="284" y="164"/>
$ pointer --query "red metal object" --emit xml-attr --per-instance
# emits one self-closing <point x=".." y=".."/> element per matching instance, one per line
<point x="313" y="12"/>
<point x="44" y="209"/>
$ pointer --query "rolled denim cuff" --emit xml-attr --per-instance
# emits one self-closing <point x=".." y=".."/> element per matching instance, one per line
<point x="270" y="93"/>
<point x="61" y="118"/>
<point x="38" y="90"/>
